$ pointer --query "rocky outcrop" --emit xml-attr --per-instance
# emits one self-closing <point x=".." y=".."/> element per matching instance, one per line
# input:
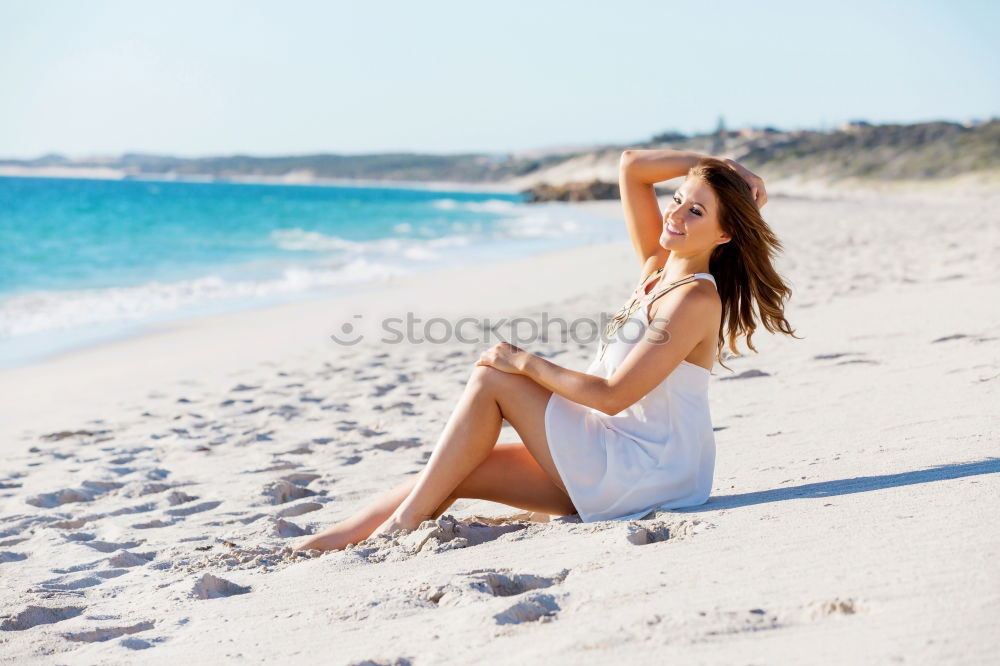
<point x="588" y="191"/>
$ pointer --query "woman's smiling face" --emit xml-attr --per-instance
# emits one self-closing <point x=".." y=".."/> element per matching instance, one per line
<point x="691" y="222"/>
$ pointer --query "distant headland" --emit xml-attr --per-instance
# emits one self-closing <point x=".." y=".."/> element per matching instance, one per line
<point x="857" y="151"/>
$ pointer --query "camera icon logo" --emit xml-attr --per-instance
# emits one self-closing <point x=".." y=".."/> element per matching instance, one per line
<point x="347" y="330"/>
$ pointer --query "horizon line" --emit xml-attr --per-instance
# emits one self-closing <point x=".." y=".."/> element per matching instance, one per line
<point x="969" y="122"/>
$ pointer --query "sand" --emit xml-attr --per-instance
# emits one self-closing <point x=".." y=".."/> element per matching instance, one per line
<point x="151" y="488"/>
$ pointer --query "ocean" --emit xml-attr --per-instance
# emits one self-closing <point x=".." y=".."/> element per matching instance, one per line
<point x="87" y="261"/>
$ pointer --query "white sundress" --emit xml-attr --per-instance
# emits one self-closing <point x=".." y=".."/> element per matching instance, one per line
<point x="657" y="453"/>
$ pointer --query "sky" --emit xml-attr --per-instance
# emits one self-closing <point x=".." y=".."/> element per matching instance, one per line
<point x="218" y="77"/>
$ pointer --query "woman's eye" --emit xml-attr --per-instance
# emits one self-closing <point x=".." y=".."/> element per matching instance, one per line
<point x="695" y="211"/>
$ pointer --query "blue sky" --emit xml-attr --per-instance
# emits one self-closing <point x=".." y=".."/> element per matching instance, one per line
<point x="221" y="77"/>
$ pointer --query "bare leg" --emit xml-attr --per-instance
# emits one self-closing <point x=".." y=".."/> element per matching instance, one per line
<point x="519" y="474"/>
<point x="512" y="476"/>
<point x="471" y="433"/>
<point x="361" y="525"/>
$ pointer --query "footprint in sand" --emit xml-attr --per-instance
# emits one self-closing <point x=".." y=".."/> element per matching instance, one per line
<point x="108" y="633"/>
<point x="196" y="508"/>
<point x="538" y="607"/>
<point x="394" y="444"/>
<point x="151" y="524"/>
<point x="301" y="478"/>
<point x="179" y="497"/>
<point x="154" y="488"/>
<point x="279" y="492"/>
<point x="747" y="374"/>
<point x="70" y="583"/>
<point x="286" y="530"/>
<point x="483" y="584"/>
<point x="56" y="436"/>
<point x="110" y="546"/>
<point x="405" y="408"/>
<point x="287" y="412"/>
<point x="640" y="533"/>
<point x="87" y="493"/>
<point x="213" y="587"/>
<point x="125" y="510"/>
<point x="299" y="509"/>
<point x="135" y="644"/>
<point x="126" y="559"/>
<point x="32" y="616"/>
<point x="276" y="467"/>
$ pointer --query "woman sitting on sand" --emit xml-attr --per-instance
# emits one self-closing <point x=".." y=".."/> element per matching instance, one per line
<point x="634" y="432"/>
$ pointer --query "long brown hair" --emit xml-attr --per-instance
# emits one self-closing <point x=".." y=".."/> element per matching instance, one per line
<point x="744" y="267"/>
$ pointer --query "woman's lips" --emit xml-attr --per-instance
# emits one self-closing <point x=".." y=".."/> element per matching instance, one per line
<point x="674" y="231"/>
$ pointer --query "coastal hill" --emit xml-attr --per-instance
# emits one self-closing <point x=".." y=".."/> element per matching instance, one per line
<point x="855" y="151"/>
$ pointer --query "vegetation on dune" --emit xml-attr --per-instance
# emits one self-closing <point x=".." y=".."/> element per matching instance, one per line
<point x="855" y="150"/>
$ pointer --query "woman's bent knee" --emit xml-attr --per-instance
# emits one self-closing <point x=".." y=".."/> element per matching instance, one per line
<point x="484" y="375"/>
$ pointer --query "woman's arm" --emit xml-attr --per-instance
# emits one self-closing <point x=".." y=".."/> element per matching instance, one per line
<point x="638" y="170"/>
<point x="655" y="166"/>
<point x="588" y="390"/>
<point x="676" y="328"/>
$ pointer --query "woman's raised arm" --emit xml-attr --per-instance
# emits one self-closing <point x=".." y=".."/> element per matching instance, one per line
<point x="638" y="170"/>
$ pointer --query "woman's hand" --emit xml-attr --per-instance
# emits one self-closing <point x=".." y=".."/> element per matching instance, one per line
<point x="505" y="357"/>
<point x="755" y="182"/>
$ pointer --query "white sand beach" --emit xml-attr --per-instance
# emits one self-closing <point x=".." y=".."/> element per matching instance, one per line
<point x="151" y="488"/>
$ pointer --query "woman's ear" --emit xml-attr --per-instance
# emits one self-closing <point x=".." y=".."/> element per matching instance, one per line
<point x="723" y="238"/>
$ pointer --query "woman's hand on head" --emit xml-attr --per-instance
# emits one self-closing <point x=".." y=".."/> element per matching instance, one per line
<point x="755" y="182"/>
<point x="504" y="357"/>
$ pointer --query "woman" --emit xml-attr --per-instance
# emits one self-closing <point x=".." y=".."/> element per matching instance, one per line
<point x="634" y="432"/>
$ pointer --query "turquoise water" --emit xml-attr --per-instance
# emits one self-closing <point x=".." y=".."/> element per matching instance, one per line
<point x="84" y="259"/>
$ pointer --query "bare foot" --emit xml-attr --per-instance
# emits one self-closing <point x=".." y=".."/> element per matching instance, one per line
<point x="397" y="522"/>
<point x="333" y="538"/>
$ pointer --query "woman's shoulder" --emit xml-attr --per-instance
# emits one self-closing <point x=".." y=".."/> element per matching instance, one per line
<point x="697" y="296"/>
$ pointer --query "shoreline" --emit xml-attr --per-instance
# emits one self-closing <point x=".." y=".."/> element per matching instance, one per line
<point x="46" y="344"/>
<point x="104" y="173"/>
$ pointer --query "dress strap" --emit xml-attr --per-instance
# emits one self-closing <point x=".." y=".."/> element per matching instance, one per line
<point x="709" y="277"/>
<point x="660" y="291"/>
